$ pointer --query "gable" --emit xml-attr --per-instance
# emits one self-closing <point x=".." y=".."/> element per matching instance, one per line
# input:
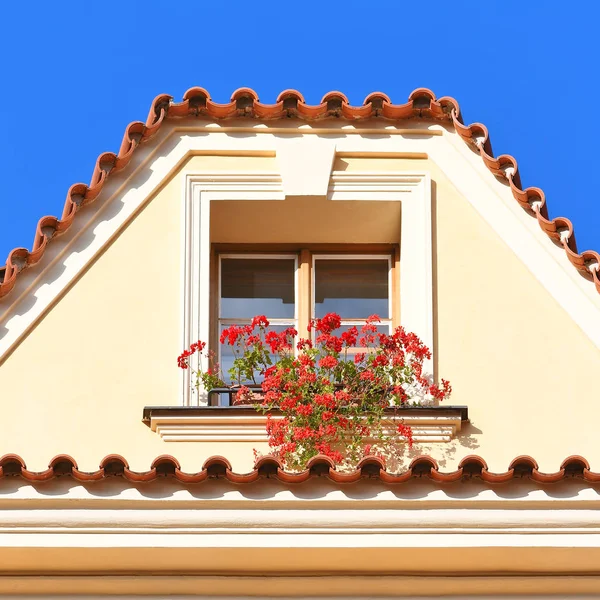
<point x="422" y="104"/>
<point x="93" y="325"/>
<point x="172" y="145"/>
<point x="100" y="314"/>
<point x="116" y="330"/>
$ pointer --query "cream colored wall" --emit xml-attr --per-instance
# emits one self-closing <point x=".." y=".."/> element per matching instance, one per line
<point x="78" y="382"/>
<point x="511" y="353"/>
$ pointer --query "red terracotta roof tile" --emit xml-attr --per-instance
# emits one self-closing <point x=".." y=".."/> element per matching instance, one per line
<point x="422" y="104"/>
<point x="471" y="468"/>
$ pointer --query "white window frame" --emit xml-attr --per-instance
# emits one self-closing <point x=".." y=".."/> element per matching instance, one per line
<point x="411" y="189"/>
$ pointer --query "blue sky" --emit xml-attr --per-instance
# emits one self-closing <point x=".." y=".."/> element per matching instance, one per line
<point x="74" y="74"/>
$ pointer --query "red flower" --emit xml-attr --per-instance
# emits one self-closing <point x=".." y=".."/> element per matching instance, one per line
<point x="304" y="344"/>
<point x="349" y="337"/>
<point x="325" y="400"/>
<point x="342" y="396"/>
<point x="330" y="342"/>
<point x="231" y="335"/>
<point x="359" y="357"/>
<point x="289" y="403"/>
<point x="317" y="417"/>
<point x="381" y="360"/>
<point x="182" y="359"/>
<point x="306" y="361"/>
<point x="367" y="376"/>
<point x="260" y="321"/>
<point x="328" y="362"/>
<point x="406" y="431"/>
<point x="368" y="327"/>
<point x="439" y="393"/>
<point x="244" y="395"/>
<point x="305" y="410"/>
<point x="328" y="323"/>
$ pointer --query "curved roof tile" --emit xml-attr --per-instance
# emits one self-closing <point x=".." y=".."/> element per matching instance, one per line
<point x="422" y="104"/>
<point x="471" y="468"/>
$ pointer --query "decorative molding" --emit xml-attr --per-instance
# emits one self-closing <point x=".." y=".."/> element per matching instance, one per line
<point x="495" y="203"/>
<point x="416" y="243"/>
<point x="416" y="272"/>
<point x="349" y="586"/>
<point x="215" y="424"/>
<point x="167" y="531"/>
<point x="125" y="194"/>
<point x="305" y="165"/>
<point x="199" y="191"/>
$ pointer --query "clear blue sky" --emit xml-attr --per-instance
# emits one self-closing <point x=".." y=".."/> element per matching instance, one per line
<point x="75" y="73"/>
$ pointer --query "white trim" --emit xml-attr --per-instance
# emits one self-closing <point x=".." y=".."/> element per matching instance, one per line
<point x="305" y="164"/>
<point x="495" y="204"/>
<point x="412" y="189"/>
<point x="416" y="245"/>
<point x="40" y="287"/>
<point x="322" y="528"/>
<point x="296" y="525"/>
<point x="252" y="428"/>
<point x="201" y="190"/>
<point x="420" y="507"/>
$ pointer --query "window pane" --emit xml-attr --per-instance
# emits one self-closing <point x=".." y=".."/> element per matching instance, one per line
<point x="355" y="289"/>
<point x="257" y="286"/>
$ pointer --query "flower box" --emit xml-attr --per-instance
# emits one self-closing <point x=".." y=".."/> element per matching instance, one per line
<point x="327" y="394"/>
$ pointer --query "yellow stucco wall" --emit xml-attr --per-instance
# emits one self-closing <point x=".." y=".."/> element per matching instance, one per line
<point x="77" y="383"/>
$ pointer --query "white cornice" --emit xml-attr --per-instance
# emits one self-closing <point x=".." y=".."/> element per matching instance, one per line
<point x="465" y="514"/>
<point x="162" y="528"/>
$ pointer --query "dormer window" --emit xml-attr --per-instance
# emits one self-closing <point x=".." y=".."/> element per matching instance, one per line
<point x="338" y="243"/>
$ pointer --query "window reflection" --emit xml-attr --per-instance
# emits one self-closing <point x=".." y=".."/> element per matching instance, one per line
<point x="257" y="286"/>
<point x="352" y="288"/>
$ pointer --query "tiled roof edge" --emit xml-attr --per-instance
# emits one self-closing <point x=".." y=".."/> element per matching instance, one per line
<point x="422" y="104"/>
<point x="267" y="467"/>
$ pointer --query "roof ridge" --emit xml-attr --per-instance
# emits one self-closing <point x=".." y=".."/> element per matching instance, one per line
<point x="422" y="104"/>
<point x="269" y="467"/>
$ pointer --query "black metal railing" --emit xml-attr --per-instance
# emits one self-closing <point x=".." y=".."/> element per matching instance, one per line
<point x="216" y="394"/>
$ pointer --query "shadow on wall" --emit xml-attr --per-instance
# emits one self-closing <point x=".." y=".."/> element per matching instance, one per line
<point x="106" y="212"/>
<point x="442" y="452"/>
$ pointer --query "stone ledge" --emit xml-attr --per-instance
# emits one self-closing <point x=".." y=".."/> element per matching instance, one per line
<point x="244" y="424"/>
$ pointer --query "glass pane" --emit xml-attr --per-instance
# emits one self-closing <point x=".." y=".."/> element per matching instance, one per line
<point x="227" y="354"/>
<point x="354" y="289"/>
<point x="257" y="286"/>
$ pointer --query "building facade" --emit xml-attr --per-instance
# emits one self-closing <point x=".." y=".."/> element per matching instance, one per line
<point x="117" y="479"/>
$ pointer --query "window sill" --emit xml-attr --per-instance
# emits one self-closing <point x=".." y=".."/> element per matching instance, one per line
<point x="244" y="424"/>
